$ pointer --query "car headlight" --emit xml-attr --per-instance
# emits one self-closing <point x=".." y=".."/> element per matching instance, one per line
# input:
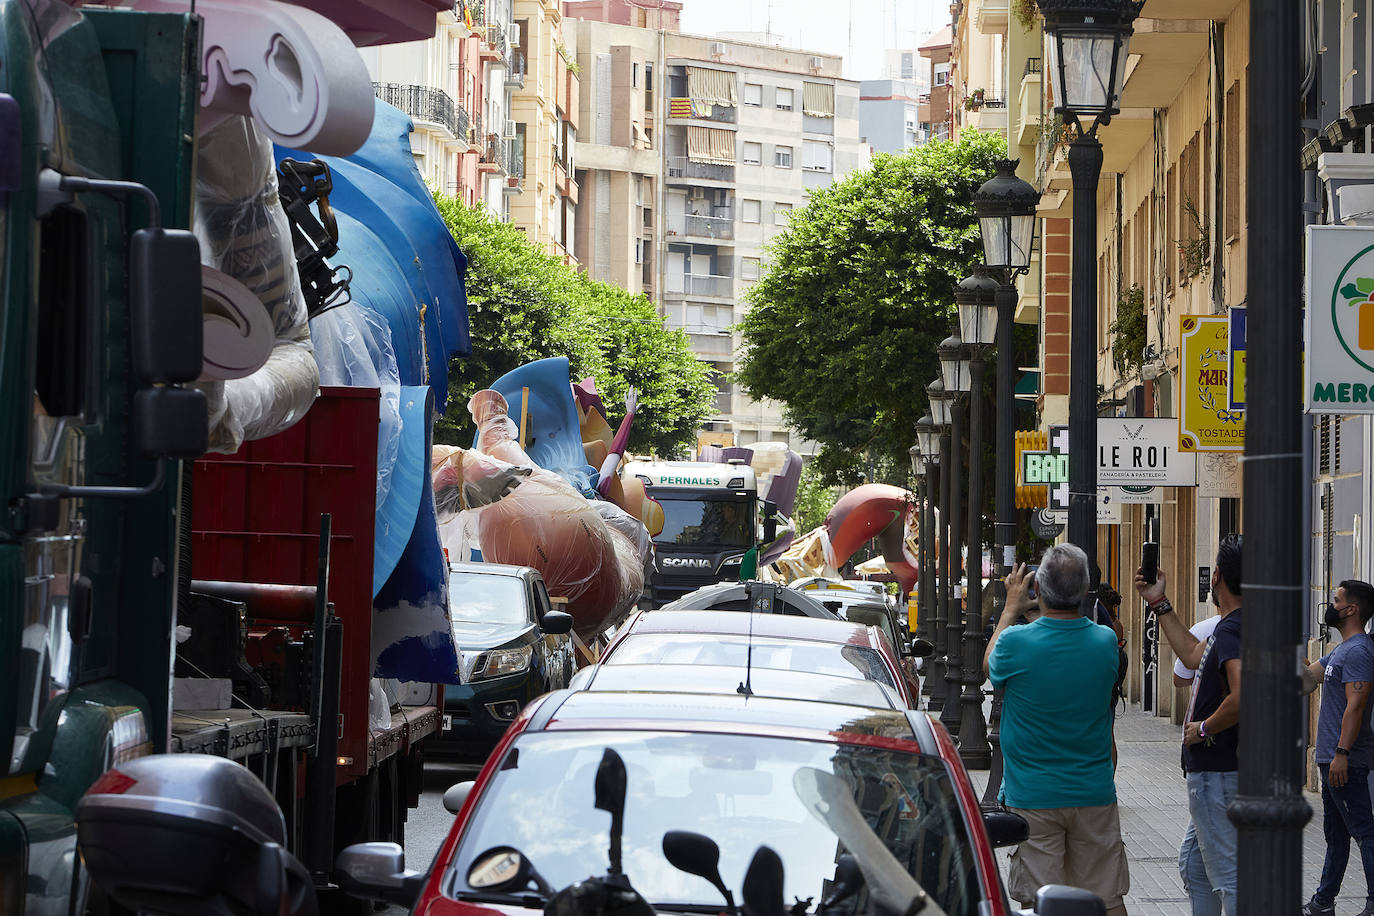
<point x="498" y="662"/>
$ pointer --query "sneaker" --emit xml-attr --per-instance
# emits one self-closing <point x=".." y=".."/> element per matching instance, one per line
<point x="1313" y="908"/>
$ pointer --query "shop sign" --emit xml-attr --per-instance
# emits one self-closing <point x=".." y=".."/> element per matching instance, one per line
<point x="1142" y="451"/>
<point x="1339" y="320"/>
<point x="1138" y="496"/>
<point x="1108" y="507"/>
<point x="1206" y="422"/>
<point x="1237" y="357"/>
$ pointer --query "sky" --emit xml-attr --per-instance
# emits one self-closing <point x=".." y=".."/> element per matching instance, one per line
<point x="859" y="30"/>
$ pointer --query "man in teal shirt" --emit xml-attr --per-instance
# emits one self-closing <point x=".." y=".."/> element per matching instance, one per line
<point x="1057" y="675"/>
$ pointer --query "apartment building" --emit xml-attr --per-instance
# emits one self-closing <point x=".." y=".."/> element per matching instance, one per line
<point x="978" y="75"/>
<point x="455" y="87"/>
<point x="544" y="110"/>
<point x="935" y="111"/>
<point x="890" y="114"/>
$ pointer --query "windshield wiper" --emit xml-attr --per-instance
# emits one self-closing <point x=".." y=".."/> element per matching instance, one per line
<point x="527" y="900"/>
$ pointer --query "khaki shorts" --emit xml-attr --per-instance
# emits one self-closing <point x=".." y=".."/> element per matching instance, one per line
<point x="1080" y="847"/>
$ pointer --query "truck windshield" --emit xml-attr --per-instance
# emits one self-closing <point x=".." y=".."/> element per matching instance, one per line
<point x="691" y="521"/>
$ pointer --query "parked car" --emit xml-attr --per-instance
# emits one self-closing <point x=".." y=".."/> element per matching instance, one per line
<point x="770" y="641"/>
<point x="732" y="679"/>
<point x="759" y="597"/>
<point x="513" y="646"/>
<point x="862" y="605"/>
<point x="868" y="810"/>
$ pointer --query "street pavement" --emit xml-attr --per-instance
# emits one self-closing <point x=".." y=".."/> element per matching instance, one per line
<point x="1154" y="811"/>
<point x="1150" y="790"/>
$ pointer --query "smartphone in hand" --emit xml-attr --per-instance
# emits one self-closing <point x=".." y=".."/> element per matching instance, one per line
<point x="1149" y="561"/>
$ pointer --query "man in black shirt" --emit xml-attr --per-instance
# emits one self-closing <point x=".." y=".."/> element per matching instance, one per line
<point x="1207" y="855"/>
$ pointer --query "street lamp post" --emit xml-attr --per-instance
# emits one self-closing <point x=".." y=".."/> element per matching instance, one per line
<point x="954" y="367"/>
<point x="1006" y="215"/>
<point x="1087" y="54"/>
<point x="976" y="297"/>
<point x="918" y="476"/>
<point x="936" y="685"/>
<point x="928" y="441"/>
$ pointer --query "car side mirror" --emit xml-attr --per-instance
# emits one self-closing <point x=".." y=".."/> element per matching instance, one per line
<point x="456" y="795"/>
<point x="1005" y="828"/>
<point x="1061" y="900"/>
<point x="556" y="623"/>
<point x="922" y="648"/>
<point x="378" y="871"/>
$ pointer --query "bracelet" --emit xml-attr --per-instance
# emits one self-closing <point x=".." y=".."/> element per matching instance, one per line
<point x="1344" y="752"/>
<point x="1162" y="606"/>
<point x="1202" y="729"/>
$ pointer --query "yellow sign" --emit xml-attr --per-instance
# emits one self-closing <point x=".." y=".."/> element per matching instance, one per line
<point x="1030" y="497"/>
<point x="1206" y="422"/>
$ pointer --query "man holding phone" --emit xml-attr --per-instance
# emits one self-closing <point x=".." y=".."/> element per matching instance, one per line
<point x="1207" y="855"/>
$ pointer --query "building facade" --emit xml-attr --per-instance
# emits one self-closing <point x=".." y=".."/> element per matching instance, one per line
<point x="936" y="109"/>
<point x="890" y="118"/>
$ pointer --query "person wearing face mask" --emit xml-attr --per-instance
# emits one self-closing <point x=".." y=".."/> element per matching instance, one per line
<point x="1211" y="736"/>
<point x="1345" y="743"/>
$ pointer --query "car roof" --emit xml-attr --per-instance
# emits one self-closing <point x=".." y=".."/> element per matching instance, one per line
<point x="738" y="623"/>
<point x="806" y="686"/>
<point x="493" y="569"/>
<point x="730" y="712"/>
<point x="736" y="596"/>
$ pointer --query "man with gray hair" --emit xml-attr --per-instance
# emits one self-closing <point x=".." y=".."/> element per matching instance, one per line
<point x="1057" y="675"/>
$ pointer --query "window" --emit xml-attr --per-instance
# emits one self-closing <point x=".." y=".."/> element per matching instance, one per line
<point x="634" y="75"/>
<point x="782" y="157"/>
<point x="783" y="99"/>
<point x="815" y="156"/>
<point x="781" y="213"/>
<point x="942" y="74"/>
<point x="753" y="153"/>
<point x="749" y="268"/>
<point x="753" y="95"/>
<point x="751" y="211"/>
<point x="639" y="255"/>
<point x="648" y="87"/>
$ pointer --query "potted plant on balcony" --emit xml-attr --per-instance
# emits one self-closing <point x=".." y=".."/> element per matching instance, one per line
<point x="974" y="100"/>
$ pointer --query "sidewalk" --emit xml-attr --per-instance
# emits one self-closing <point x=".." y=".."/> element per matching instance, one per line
<point x="1154" y="812"/>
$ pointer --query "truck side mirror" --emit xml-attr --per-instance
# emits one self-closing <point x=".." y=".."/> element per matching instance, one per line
<point x="171" y="422"/>
<point x="770" y="521"/>
<point x="167" y="324"/>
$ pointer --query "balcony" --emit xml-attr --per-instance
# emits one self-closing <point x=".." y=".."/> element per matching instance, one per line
<point x="991" y="17"/>
<point x="515" y="71"/>
<point x="495" y="155"/>
<point x="986" y="111"/>
<point x="425" y="104"/>
<point x="682" y="109"/>
<point x="708" y="227"/>
<point x="495" y="48"/>
<point x="683" y="285"/>
<point x="1030" y="104"/>
<point x="680" y="167"/>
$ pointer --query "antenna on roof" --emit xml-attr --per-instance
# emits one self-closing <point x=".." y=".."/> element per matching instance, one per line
<point x="745" y="687"/>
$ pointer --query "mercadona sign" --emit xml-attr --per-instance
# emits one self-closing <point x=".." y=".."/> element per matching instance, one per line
<point x="1340" y="320"/>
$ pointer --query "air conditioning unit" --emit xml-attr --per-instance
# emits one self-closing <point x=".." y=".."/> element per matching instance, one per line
<point x="816" y="63"/>
<point x="515" y="35"/>
<point x="717" y="48"/>
<point x="510" y="130"/>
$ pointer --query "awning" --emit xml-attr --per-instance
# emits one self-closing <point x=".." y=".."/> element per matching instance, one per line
<point x="818" y="100"/>
<point x="640" y="135"/>
<point x="711" y="144"/>
<point x="716" y="87"/>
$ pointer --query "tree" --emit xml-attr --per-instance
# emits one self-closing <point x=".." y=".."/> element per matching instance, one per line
<point x="815" y="499"/>
<point x="859" y="291"/>
<point x="525" y="305"/>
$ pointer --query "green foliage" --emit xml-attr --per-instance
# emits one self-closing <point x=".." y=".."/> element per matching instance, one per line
<point x="1195" y="253"/>
<point x="842" y="329"/>
<point x="525" y="305"/>
<point x="815" y="499"/>
<point x="1128" y="331"/>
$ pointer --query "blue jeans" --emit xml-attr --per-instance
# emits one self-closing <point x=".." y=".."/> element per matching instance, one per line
<point x="1207" y="855"/>
<point x="1346" y="815"/>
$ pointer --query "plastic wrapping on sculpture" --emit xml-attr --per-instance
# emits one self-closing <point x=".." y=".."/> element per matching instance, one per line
<point x="411" y="636"/>
<point x="872" y="511"/>
<point x="783" y="483"/>
<point x="353" y="348"/>
<point x="717" y="454"/>
<point x="404" y="263"/>
<point x="243" y="233"/>
<point x="526" y="515"/>
<point x="293" y="71"/>
<point x="540" y="395"/>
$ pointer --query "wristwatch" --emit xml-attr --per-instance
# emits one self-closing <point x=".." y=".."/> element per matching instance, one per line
<point x="1343" y="751"/>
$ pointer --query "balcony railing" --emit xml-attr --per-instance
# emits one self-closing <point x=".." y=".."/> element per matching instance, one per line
<point x="702" y="285"/>
<point x="515" y="73"/>
<point x="1032" y="66"/>
<point x="711" y="227"/>
<point x="682" y="167"/>
<point x="424" y="103"/>
<point x="497" y="151"/>
<point x="681" y="109"/>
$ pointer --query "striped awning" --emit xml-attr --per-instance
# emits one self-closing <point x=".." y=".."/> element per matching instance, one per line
<point x="818" y="100"/>
<point x="711" y="144"/>
<point x="716" y="87"/>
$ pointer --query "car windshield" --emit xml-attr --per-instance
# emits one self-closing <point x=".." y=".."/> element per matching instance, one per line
<point x="741" y="791"/>
<point x="487" y="599"/>
<point x="705" y="522"/>
<point x="859" y="662"/>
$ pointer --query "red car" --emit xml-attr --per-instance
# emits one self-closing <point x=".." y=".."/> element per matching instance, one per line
<point x="868" y="811"/>
<point x="833" y="647"/>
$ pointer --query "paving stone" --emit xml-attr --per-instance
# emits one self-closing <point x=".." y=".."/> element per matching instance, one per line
<point x="1154" y="812"/>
